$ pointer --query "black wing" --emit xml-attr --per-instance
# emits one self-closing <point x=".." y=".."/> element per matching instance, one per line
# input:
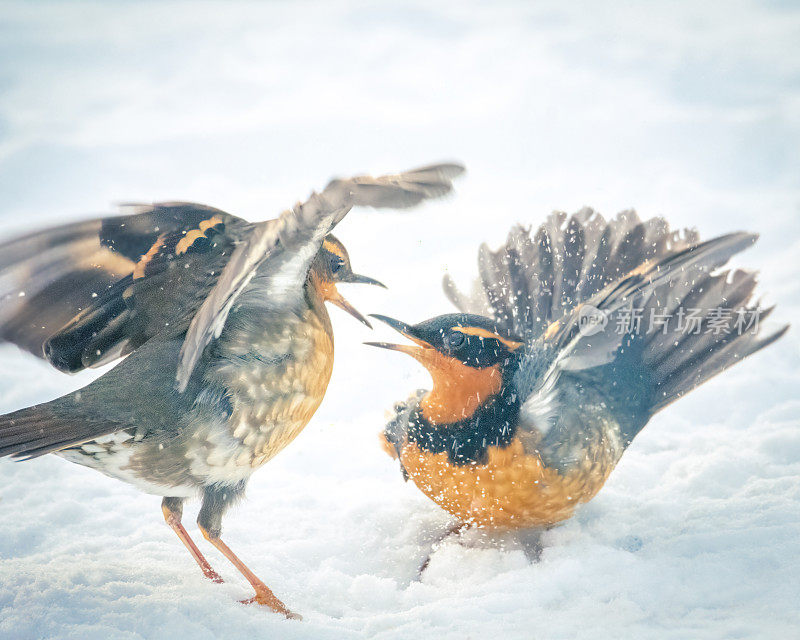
<point x="84" y="294"/>
<point x="663" y="364"/>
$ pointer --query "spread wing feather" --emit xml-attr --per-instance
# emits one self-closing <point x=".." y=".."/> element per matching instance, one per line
<point x="658" y="362"/>
<point x="535" y="278"/>
<point x="47" y="277"/>
<point x="536" y="284"/>
<point x="84" y="294"/>
<point x="290" y="243"/>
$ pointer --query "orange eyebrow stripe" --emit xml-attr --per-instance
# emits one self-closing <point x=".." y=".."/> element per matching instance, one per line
<point x="189" y="239"/>
<point x="333" y="248"/>
<point x="139" y="268"/>
<point x="484" y="333"/>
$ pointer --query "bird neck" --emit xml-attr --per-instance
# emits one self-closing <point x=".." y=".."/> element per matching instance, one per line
<point x="458" y="391"/>
<point x="323" y="287"/>
<point x="487" y="417"/>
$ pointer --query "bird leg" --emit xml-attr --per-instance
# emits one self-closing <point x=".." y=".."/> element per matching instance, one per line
<point x="217" y="500"/>
<point x="456" y="529"/>
<point x="173" y="509"/>
<point x="263" y="594"/>
<point x="531" y="542"/>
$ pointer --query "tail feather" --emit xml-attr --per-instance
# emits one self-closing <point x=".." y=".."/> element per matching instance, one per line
<point x="574" y="255"/>
<point x="45" y="428"/>
<point x="536" y="278"/>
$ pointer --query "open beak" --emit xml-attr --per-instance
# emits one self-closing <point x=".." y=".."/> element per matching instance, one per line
<point x="420" y="352"/>
<point x="336" y="298"/>
<point x="355" y="278"/>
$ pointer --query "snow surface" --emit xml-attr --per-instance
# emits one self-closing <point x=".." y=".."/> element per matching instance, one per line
<point x="690" y="110"/>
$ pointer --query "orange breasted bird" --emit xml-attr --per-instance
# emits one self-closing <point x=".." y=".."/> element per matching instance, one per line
<point x="227" y="342"/>
<point x="573" y="339"/>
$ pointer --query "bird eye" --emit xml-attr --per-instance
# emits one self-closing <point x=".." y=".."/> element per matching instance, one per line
<point x="336" y="264"/>
<point x="454" y="339"/>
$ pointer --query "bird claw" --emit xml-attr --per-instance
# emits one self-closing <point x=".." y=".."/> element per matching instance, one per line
<point x="269" y="600"/>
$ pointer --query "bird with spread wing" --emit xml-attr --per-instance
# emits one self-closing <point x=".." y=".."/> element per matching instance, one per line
<point x="572" y="338"/>
<point x="227" y="344"/>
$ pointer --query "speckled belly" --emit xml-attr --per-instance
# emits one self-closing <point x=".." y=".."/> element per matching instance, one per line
<point x="512" y="489"/>
<point x="274" y="401"/>
<point x="273" y="381"/>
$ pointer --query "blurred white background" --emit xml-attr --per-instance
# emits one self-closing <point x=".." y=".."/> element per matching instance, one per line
<point x="683" y="109"/>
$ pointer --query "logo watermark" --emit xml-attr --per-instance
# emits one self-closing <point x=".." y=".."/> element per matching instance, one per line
<point x="591" y="320"/>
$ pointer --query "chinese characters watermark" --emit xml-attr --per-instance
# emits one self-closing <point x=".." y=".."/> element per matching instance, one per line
<point x="717" y="321"/>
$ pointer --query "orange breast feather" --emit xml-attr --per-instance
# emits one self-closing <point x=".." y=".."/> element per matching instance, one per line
<point x="511" y="490"/>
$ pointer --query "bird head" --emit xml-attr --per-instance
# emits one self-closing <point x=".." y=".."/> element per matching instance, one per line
<point x="332" y="267"/>
<point x="467" y="357"/>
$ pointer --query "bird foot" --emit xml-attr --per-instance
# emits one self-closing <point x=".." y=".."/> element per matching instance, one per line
<point x="456" y="530"/>
<point x="212" y="575"/>
<point x="268" y="599"/>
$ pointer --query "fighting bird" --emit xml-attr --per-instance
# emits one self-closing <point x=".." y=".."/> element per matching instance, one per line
<point x="227" y="344"/>
<point x="571" y="340"/>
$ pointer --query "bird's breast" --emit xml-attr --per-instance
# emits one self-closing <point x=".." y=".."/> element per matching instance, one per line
<point x="511" y="487"/>
<point x="274" y="388"/>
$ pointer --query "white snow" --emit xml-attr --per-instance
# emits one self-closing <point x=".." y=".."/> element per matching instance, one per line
<point x="685" y="109"/>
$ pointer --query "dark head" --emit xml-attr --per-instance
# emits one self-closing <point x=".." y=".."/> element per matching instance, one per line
<point x="468" y="357"/>
<point x="331" y="267"/>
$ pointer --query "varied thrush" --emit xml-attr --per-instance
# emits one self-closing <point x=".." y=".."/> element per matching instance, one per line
<point x="573" y="339"/>
<point x="228" y="344"/>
